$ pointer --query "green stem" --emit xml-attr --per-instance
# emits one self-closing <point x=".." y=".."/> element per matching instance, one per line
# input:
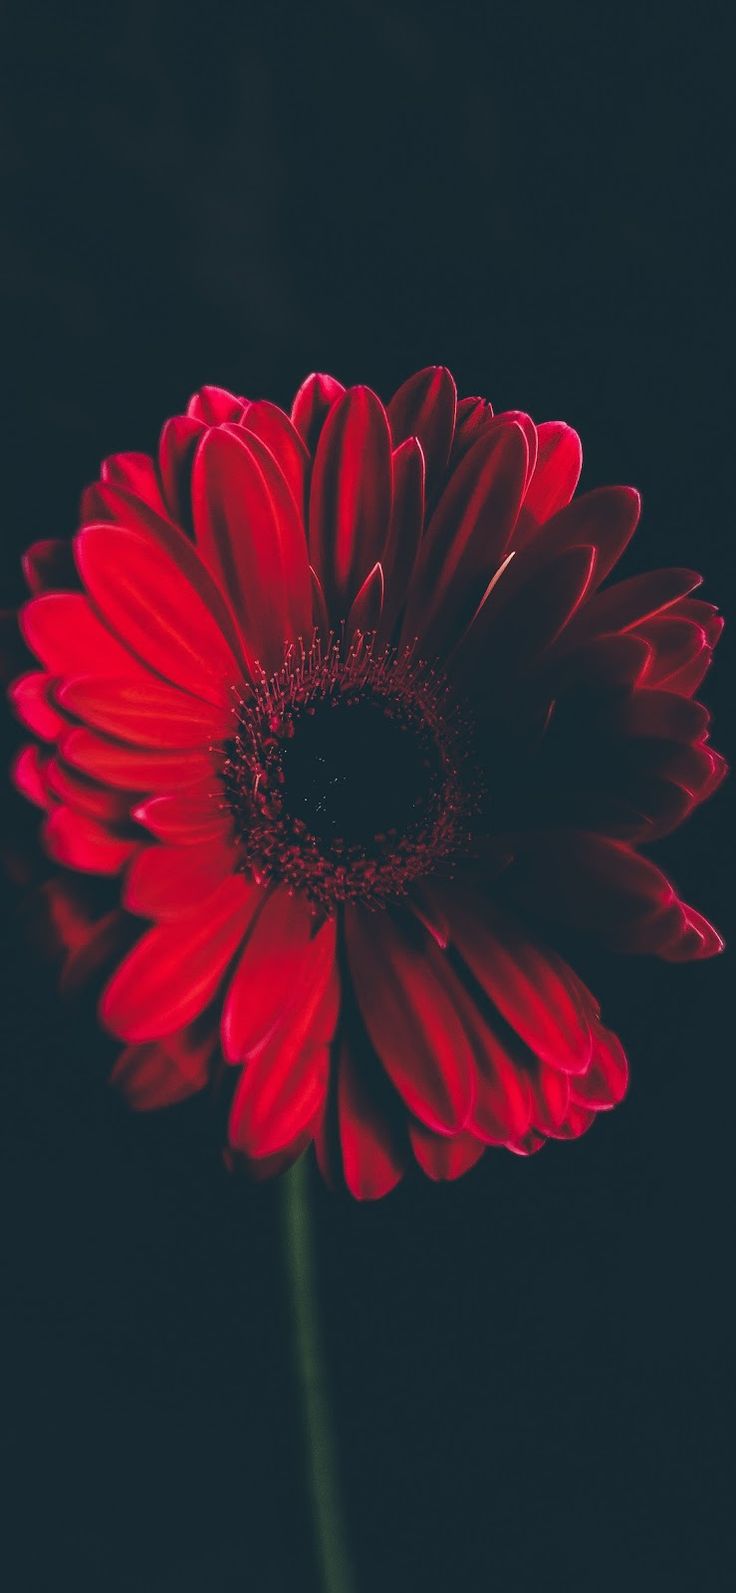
<point x="321" y="1460"/>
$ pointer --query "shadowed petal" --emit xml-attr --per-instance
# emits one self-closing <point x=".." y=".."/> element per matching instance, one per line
<point x="424" y="407"/>
<point x="250" y="533"/>
<point x="443" y="1157"/>
<point x="312" y="405"/>
<point x="410" y="1019"/>
<point x="82" y="843"/>
<point x="529" y="986"/>
<point x="350" y="498"/>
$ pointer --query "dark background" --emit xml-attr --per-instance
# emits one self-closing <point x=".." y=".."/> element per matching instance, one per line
<point x="532" y="1367"/>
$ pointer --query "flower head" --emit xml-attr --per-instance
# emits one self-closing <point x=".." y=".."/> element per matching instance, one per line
<point x="343" y="704"/>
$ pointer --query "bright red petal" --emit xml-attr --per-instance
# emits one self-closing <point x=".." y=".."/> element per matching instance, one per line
<point x="147" y="601"/>
<point x="556" y="474"/>
<point x="165" y="881"/>
<point x="29" y="775"/>
<point x="30" y="698"/>
<point x="270" y="966"/>
<point x="80" y="842"/>
<point x="132" y="768"/>
<point x="146" y="715"/>
<point x="173" y="973"/>
<point x="282" y="1089"/>
<point x="193" y="813"/>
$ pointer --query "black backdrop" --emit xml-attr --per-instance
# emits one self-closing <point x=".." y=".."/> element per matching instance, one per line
<point x="530" y="1366"/>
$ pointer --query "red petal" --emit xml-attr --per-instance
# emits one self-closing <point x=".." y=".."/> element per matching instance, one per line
<point x="503" y="1105"/>
<point x="429" y="912"/>
<point x="250" y="532"/>
<point x="165" y="881"/>
<point x="410" y="1019"/>
<point x="605" y="661"/>
<point x="137" y="474"/>
<point x="474" y="416"/>
<point x="130" y="768"/>
<point x="215" y="406"/>
<point x="441" y="1157"/>
<point x="424" y="407"/>
<point x="274" y="428"/>
<point x="697" y="939"/>
<point x="108" y="506"/>
<point x="312" y="405"/>
<point x="176" y="450"/>
<point x="77" y="792"/>
<point x="503" y="1100"/>
<point x="102" y="947"/>
<point x="466" y="539"/>
<point x="530" y="987"/>
<point x="686" y="680"/>
<point x="195" y="813"/>
<point x="365" y="613"/>
<point x="660" y="715"/>
<point x="29" y="696"/>
<point x="518" y="417"/>
<point x="405" y="531"/>
<point x="673" y="642"/>
<point x="551" y="1098"/>
<point x="65" y="633"/>
<point x="148" y="716"/>
<point x="556" y="475"/>
<point x="578" y="1120"/>
<point x="261" y="1168"/>
<point x="165" y="1072"/>
<point x="595" y="884"/>
<point x="270" y="966"/>
<point x="510" y="637"/>
<point x="49" y="566"/>
<point x="607" y="1078"/>
<point x="79" y="842"/>
<point x="604" y="519"/>
<point x="173" y="973"/>
<point x="627" y="603"/>
<point x="147" y="600"/>
<point x="350" y="499"/>
<point x="29" y="775"/>
<point x="283" y="1087"/>
<point x="320" y="616"/>
<point x="68" y="921"/>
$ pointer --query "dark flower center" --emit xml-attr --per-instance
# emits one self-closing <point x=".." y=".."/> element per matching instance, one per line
<point x="355" y="772"/>
<point x="344" y="776"/>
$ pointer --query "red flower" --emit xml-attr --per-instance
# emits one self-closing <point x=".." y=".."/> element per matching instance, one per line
<point x="344" y="703"/>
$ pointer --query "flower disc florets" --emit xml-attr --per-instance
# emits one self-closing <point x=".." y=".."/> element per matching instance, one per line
<point x="346" y="775"/>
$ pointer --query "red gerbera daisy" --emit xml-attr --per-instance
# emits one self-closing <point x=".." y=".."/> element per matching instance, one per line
<point x="342" y="701"/>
